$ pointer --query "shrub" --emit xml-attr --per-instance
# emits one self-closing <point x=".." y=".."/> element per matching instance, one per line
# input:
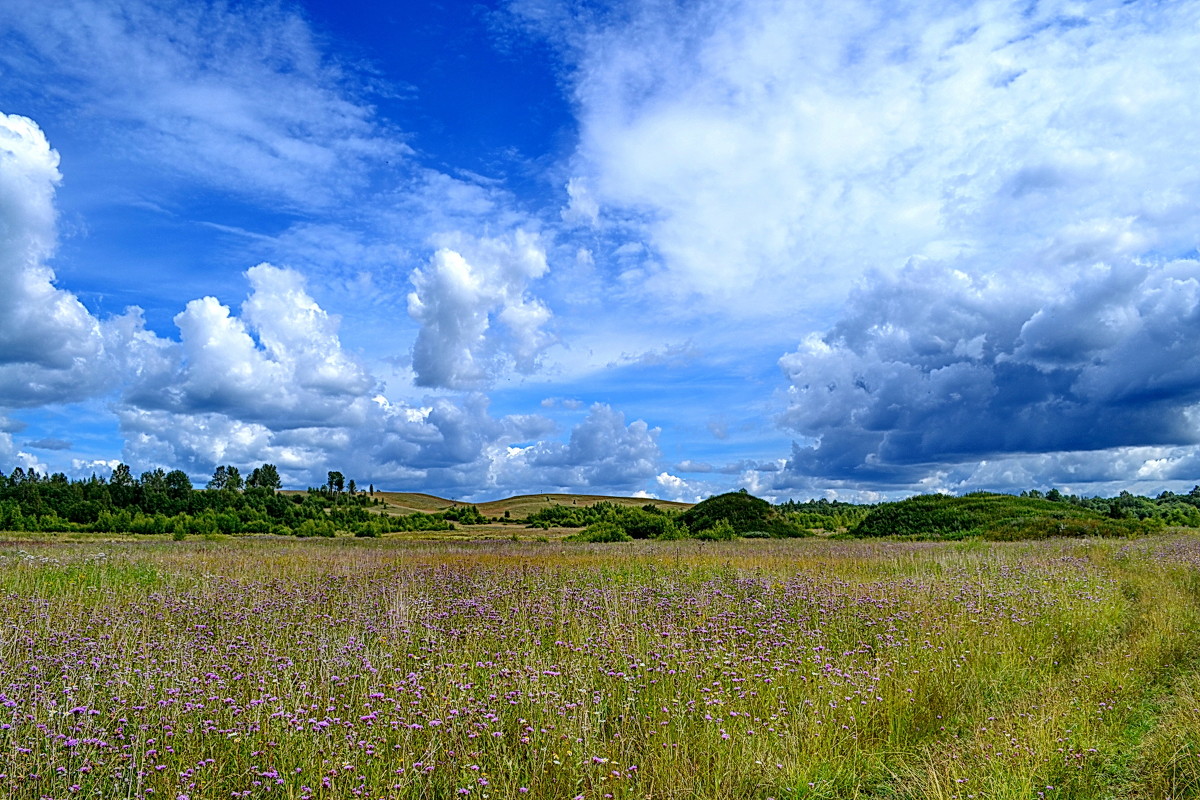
<point x="602" y="532"/>
<point x="1048" y="527"/>
<point x="642" y="524"/>
<point x="720" y="532"/>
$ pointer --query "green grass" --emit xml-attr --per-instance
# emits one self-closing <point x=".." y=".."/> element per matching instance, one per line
<point x="281" y="668"/>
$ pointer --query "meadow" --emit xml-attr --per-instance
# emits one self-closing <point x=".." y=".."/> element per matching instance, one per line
<point x="285" y="668"/>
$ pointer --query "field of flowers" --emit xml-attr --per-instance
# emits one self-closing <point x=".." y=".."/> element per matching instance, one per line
<point x="754" y="669"/>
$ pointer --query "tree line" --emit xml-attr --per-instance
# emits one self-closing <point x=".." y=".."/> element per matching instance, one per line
<point x="162" y="502"/>
<point x="725" y="516"/>
<point x="166" y="502"/>
<point x="1032" y="514"/>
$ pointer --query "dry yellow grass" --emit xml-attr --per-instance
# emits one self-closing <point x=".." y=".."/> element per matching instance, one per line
<point x="518" y="507"/>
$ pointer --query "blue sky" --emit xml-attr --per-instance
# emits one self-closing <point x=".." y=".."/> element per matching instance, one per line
<point x="832" y="249"/>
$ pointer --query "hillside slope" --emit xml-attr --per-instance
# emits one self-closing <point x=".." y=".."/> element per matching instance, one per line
<point x="993" y="516"/>
<point x="518" y="507"/>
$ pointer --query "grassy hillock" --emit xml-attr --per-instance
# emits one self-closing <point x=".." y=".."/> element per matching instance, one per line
<point x="992" y="516"/>
<point x="739" y="514"/>
<point x="523" y="506"/>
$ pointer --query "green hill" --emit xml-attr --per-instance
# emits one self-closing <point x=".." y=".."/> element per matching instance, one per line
<point x="518" y="507"/>
<point x="743" y="512"/>
<point x="522" y="506"/>
<point x="992" y="516"/>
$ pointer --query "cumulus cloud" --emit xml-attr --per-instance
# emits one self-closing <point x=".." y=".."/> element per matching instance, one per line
<point x="477" y="318"/>
<point x="274" y="383"/>
<point x="453" y="447"/>
<point x="672" y="487"/>
<point x="1012" y="187"/>
<point x="242" y="95"/>
<point x="445" y="446"/>
<point x="935" y="368"/>
<point x="602" y="452"/>
<point x="280" y="363"/>
<point x="52" y="349"/>
<point x="777" y="151"/>
<point x="271" y="381"/>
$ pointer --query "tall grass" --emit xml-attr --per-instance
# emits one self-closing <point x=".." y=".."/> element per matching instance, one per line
<point x="798" y="669"/>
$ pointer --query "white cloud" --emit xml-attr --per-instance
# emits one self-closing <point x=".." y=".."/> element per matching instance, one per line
<point x="52" y="350"/>
<point x="672" y="487"/>
<point x="777" y="151"/>
<point x="280" y="364"/>
<point x="1012" y="187"/>
<point x="275" y="384"/>
<point x="603" y="452"/>
<point x="476" y="316"/>
<point x="273" y="381"/>
<point x="582" y="208"/>
<point x="935" y="370"/>
<point x="455" y="448"/>
<point x="240" y="96"/>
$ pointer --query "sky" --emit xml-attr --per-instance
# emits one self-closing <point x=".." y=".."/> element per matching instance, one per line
<point x="847" y="249"/>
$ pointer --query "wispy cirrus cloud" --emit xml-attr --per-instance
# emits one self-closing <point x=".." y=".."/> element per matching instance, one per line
<point x="241" y="97"/>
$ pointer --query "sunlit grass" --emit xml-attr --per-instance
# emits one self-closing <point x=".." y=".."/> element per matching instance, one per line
<point x="764" y="669"/>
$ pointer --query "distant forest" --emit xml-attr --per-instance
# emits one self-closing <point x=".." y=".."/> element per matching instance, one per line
<point x="160" y="502"/>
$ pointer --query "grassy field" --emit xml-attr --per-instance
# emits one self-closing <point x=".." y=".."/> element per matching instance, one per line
<point x="518" y="507"/>
<point x="281" y="668"/>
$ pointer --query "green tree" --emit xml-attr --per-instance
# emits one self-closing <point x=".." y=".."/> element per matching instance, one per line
<point x="265" y="477"/>
<point x="336" y="482"/>
<point x="121" y="476"/>
<point x="602" y="532"/>
<point x="155" y="481"/>
<point x="177" y="484"/>
<point x="226" y="477"/>
<point x="122" y="487"/>
<point x="720" y="532"/>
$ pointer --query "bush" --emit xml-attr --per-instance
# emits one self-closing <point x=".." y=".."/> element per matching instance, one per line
<point x="721" y="532"/>
<point x="603" y="532"/>
<point x="312" y="527"/>
<point x="642" y="524"/>
<point x="782" y="528"/>
<point x="467" y="515"/>
<point x="368" y="530"/>
<point x="1047" y="527"/>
